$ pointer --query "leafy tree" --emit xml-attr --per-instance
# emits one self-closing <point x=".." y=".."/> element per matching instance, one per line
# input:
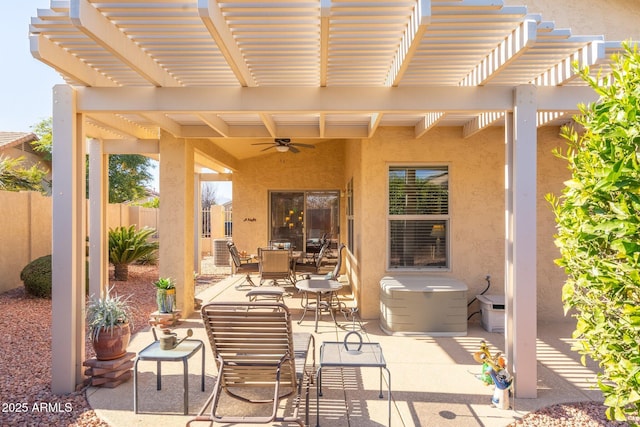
<point x="15" y="177"/>
<point x="128" y="173"/>
<point x="598" y="232"/>
<point x="151" y="203"/>
<point x="126" y="245"/>
<point x="45" y="135"/>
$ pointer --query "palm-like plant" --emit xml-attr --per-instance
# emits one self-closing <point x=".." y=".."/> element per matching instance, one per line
<point x="15" y="177"/>
<point x="126" y="245"/>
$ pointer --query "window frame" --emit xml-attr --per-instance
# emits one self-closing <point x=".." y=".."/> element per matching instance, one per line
<point x="446" y="218"/>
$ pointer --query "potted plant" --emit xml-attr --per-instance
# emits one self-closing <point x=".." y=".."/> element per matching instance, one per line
<point x="165" y="294"/>
<point x="108" y="319"/>
<point x="126" y="245"/>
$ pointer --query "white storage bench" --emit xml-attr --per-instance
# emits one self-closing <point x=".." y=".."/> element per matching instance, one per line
<point x="423" y="305"/>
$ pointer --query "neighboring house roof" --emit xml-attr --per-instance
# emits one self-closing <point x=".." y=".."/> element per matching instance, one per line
<point x="12" y="139"/>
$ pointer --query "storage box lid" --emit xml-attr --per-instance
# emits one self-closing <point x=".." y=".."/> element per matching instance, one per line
<point x="421" y="283"/>
<point x="495" y="301"/>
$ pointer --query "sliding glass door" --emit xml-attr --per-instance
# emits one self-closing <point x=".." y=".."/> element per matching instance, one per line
<point x="302" y="218"/>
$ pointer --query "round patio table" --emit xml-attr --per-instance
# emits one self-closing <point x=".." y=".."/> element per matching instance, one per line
<point x="319" y="287"/>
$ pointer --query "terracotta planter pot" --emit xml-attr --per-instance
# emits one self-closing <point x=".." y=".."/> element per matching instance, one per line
<point x="110" y="346"/>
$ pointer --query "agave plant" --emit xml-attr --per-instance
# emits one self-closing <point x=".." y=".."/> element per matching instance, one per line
<point x="107" y="313"/>
<point x="126" y="245"/>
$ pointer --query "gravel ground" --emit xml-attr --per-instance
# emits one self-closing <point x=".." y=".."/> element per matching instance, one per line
<point x="582" y="414"/>
<point x="25" y="363"/>
<point x="25" y="359"/>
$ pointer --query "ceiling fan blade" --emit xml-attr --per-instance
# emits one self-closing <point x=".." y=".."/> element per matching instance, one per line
<point x="263" y="143"/>
<point x="268" y="148"/>
<point x="302" y="145"/>
<point x="293" y="149"/>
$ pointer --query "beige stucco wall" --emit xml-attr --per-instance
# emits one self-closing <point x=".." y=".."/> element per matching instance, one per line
<point x="552" y="172"/>
<point x="477" y="203"/>
<point x="617" y="20"/>
<point x="476" y="184"/>
<point x="26" y="234"/>
<point x="321" y="168"/>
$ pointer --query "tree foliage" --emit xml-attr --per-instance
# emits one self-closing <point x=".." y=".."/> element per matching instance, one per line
<point x="128" y="173"/>
<point x="128" y="176"/>
<point x="14" y="176"/>
<point x="44" y="131"/>
<point x="598" y="232"/>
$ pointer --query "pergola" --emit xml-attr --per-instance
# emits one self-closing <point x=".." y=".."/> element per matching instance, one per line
<point x="197" y="81"/>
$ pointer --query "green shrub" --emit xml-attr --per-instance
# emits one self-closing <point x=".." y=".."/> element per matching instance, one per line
<point x="598" y="222"/>
<point x="37" y="277"/>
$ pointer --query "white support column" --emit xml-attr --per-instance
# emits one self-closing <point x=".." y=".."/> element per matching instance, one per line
<point x="98" y="200"/>
<point x="197" y="217"/>
<point x="69" y="234"/>
<point x="176" y="217"/>
<point x="520" y="249"/>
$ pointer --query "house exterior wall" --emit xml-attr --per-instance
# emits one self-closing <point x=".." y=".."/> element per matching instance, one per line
<point x="30" y="158"/>
<point x="552" y="173"/>
<point x="321" y="168"/>
<point x="477" y="204"/>
<point x="354" y="170"/>
<point x="616" y="19"/>
<point x="476" y="167"/>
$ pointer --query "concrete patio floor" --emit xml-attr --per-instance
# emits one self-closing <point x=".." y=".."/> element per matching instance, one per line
<point x="433" y="379"/>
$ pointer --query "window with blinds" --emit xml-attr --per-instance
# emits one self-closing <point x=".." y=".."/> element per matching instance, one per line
<point x="418" y="217"/>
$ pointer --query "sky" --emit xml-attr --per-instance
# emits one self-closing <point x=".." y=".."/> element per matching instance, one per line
<point x="26" y="84"/>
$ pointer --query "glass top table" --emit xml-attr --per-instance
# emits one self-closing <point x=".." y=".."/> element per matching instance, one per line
<point x="319" y="287"/>
<point x="351" y="353"/>
<point x="182" y="352"/>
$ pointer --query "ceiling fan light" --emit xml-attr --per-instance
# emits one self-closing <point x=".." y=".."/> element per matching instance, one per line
<point x="282" y="148"/>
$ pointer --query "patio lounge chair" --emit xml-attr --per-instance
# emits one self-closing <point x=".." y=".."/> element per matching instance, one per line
<point x="255" y="348"/>
<point x="240" y="265"/>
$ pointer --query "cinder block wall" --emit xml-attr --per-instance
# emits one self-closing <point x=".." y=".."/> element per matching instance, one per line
<point x="25" y="234"/>
<point x="26" y="230"/>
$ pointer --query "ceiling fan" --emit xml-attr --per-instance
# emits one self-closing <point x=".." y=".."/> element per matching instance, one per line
<point x="283" y="145"/>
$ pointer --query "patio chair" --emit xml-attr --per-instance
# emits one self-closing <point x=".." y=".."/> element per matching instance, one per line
<point x="333" y="301"/>
<point x="314" y="267"/>
<point x="275" y="264"/>
<point x="333" y="274"/>
<point x="256" y="350"/>
<point x="240" y="265"/>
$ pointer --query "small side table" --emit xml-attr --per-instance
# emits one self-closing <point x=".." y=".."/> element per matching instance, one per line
<point x="355" y="354"/>
<point x="318" y="287"/>
<point x="182" y="352"/>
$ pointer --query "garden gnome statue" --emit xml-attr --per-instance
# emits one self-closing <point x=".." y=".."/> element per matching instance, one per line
<point x="494" y="371"/>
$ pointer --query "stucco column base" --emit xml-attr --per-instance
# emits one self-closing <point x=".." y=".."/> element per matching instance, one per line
<point x="176" y="217"/>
